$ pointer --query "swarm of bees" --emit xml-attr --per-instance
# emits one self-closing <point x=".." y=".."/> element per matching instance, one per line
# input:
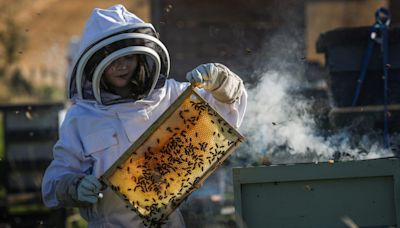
<point x="172" y="158"/>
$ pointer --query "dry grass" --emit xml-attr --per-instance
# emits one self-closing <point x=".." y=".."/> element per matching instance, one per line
<point x="49" y="26"/>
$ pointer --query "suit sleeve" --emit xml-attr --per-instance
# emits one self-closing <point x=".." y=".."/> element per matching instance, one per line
<point x="62" y="176"/>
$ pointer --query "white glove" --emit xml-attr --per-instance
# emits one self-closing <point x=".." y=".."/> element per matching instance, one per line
<point x="216" y="78"/>
<point x="88" y="189"/>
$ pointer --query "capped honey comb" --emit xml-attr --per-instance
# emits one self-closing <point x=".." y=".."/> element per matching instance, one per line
<point x="172" y="158"/>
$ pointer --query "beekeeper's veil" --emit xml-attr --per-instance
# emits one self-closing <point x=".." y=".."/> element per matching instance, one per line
<point x="110" y="34"/>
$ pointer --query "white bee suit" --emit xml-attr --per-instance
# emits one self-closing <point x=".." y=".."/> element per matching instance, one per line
<point x="93" y="136"/>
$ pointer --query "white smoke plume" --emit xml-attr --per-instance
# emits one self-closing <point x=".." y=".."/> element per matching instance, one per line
<point x="279" y="126"/>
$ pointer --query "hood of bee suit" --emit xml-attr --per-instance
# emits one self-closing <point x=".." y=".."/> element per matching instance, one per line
<point x="110" y="34"/>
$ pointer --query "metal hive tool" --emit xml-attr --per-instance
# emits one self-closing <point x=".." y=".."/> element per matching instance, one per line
<point x="172" y="158"/>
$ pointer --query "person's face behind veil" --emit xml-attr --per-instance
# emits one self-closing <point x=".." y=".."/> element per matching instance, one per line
<point x="119" y="73"/>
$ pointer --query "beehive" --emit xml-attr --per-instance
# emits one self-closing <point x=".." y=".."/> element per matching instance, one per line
<point x="172" y="158"/>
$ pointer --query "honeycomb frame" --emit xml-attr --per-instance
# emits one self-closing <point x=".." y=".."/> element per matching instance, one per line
<point x="172" y="158"/>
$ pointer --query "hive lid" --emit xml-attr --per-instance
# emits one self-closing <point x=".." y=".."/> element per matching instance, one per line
<point x="172" y="158"/>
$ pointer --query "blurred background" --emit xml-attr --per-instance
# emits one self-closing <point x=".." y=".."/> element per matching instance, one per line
<point x="279" y="47"/>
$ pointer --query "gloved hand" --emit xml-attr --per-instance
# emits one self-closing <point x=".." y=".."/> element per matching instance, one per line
<point x="216" y="78"/>
<point x="88" y="189"/>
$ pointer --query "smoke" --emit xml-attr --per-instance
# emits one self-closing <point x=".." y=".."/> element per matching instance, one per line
<point x="280" y="123"/>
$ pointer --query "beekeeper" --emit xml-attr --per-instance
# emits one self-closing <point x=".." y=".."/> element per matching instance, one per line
<point x="118" y="88"/>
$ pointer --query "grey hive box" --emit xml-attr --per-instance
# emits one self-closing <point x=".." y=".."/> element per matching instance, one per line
<point x="319" y="195"/>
